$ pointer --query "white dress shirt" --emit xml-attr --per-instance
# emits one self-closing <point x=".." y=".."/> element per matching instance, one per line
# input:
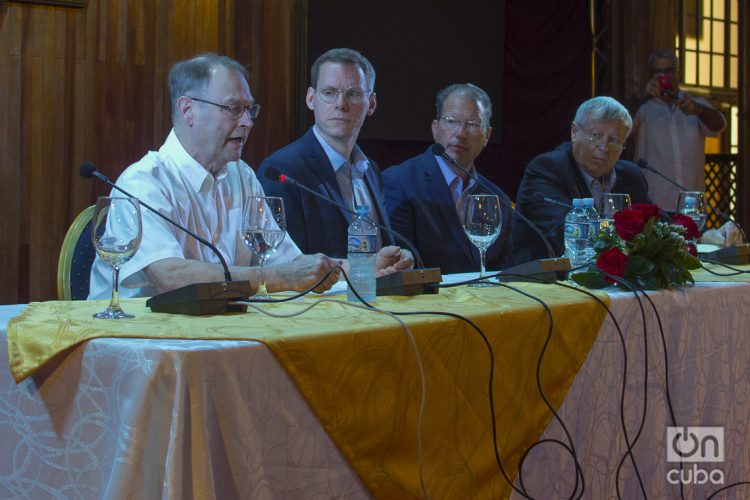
<point x="176" y="185"/>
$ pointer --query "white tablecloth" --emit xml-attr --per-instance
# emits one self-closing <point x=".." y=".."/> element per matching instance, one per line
<point x="130" y="418"/>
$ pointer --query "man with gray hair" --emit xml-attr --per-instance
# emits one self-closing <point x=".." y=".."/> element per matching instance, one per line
<point x="670" y="128"/>
<point x="198" y="179"/>
<point x="586" y="167"/>
<point x="422" y="193"/>
<point x="328" y="160"/>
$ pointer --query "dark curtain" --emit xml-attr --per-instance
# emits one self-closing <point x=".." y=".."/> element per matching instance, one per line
<point x="547" y="74"/>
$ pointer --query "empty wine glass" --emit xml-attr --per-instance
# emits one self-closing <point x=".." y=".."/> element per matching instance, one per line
<point x="481" y="220"/>
<point x="611" y="204"/>
<point x="116" y="233"/>
<point x="693" y="204"/>
<point x="263" y="230"/>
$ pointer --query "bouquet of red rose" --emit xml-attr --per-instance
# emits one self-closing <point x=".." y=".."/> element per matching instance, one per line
<point x="645" y="251"/>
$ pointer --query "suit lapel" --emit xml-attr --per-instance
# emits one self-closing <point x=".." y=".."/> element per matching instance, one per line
<point x="326" y="183"/>
<point x="436" y="190"/>
<point x="373" y="185"/>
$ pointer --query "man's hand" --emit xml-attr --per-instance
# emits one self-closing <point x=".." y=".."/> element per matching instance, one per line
<point x="652" y="88"/>
<point x="688" y="105"/>
<point x="391" y="259"/>
<point x="302" y="273"/>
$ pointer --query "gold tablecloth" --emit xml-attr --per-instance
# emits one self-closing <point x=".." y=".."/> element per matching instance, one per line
<point x="358" y="372"/>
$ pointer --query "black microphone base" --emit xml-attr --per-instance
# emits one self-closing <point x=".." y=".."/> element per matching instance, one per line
<point x="201" y="299"/>
<point x="410" y="282"/>
<point x="542" y="269"/>
<point x="736" y="255"/>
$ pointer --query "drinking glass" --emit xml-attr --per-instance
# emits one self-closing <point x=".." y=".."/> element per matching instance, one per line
<point x="611" y="204"/>
<point x="481" y="220"/>
<point x="693" y="204"/>
<point x="263" y="230"/>
<point x="116" y="233"/>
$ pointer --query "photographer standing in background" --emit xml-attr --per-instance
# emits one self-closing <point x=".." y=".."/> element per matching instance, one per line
<point x="670" y="128"/>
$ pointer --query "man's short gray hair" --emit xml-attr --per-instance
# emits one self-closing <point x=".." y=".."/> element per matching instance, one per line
<point x="192" y="75"/>
<point x="662" y="54"/>
<point x="469" y="91"/>
<point x="603" y="109"/>
<point x="345" y="56"/>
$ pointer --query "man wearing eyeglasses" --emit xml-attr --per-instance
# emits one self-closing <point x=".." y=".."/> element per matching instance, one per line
<point x="198" y="180"/>
<point x="586" y="167"/>
<point x="670" y="128"/>
<point x="328" y="160"/>
<point x="422" y="193"/>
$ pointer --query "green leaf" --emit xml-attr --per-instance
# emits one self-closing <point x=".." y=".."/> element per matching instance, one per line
<point x="592" y="280"/>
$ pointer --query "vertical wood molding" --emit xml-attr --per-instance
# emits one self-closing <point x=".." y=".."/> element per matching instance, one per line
<point x="743" y="175"/>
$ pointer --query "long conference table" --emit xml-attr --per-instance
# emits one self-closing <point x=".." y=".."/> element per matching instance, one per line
<point x="330" y="401"/>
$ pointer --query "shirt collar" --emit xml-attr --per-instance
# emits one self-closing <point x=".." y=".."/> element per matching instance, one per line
<point x="607" y="182"/>
<point x="195" y="174"/>
<point x="336" y="159"/>
<point x="450" y="174"/>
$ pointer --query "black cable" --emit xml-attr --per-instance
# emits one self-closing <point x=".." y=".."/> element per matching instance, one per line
<point x="736" y="270"/>
<point x="555" y="415"/>
<point x="630" y="446"/>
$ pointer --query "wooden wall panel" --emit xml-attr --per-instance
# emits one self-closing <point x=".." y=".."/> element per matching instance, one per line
<point x="90" y="84"/>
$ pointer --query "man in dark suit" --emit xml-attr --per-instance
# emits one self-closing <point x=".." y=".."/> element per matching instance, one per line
<point x="422" y="193"/>
<point x="328" y="160"/>
<point x="585" y="167"/>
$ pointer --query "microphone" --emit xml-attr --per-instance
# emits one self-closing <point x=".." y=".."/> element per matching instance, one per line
<point x="548" y="269"/>
<point x="540" y="199"/>
<point x="195" y="299"/>
<point x="410" y="282"/>
<point x="739" y="254"/>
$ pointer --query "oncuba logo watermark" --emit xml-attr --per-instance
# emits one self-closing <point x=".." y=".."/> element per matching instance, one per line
<point x="694" y="445"/>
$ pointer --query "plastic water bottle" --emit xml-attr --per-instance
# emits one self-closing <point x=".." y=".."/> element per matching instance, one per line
<point x="581" y="229"/>
<point x="363" y="237"/>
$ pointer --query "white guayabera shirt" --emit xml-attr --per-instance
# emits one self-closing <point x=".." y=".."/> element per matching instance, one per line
<point x="172" y="182"/>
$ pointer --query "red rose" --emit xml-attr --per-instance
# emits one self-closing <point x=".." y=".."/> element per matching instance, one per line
<point x="691" y="228"/>
<point x="612" y="261"/>
<point x="648" y="210"/>
<point x="692" y="250"/>
<point x="629" y="223"/>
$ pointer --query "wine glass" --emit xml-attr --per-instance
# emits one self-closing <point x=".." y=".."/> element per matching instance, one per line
<point x="693" y="204"/>
<point x="481" y="219"/>
<point x="116" y="233"/>
<point x="263" y="230"/>
<point x="611" y="204"/>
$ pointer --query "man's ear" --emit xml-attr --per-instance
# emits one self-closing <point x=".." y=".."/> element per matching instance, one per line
<point x="373" y="104"/>
<point x="185" y="108"/>
<point x="309" y="98"/>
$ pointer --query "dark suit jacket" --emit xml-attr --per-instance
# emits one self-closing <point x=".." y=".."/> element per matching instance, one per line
<point x="556" y="175"/>
<point x="421" y="208"/>
<point x="314" y="225"/>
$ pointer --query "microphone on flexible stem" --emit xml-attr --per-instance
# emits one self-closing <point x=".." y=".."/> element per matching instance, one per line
<point x="195" y="299"/>
<point x="552" y="268"/>
<point x="739" y="254"/>
<point x="540" y="199"/>
<point x="409" y="282"/>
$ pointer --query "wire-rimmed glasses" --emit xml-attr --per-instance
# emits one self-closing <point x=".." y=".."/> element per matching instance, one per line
<point x="234" y="110"/>
<point x="352" y="95"/>
<point x="263" y="230"/>
<point x="481" y="219"/>
<point x="453" y="123"/>
<point x="116" y="233"/>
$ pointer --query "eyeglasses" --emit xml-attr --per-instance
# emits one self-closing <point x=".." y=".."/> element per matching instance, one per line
<point x="598" y="140"/>
<point x="234" y="110"/>
<point x="352" y="95"/>
<point x="452" y="123"/>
